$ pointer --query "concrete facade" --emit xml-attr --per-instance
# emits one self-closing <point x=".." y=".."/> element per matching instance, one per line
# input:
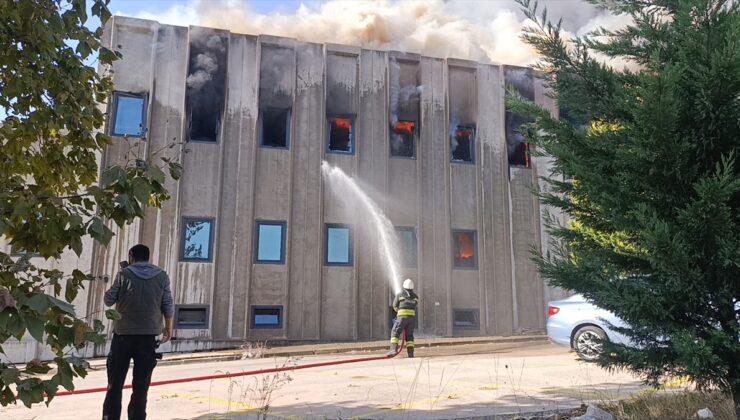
<point x="235" y="182"/>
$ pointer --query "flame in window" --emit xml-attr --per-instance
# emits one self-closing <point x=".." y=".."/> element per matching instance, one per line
<point x="343" y="123"/>
<point x="465" y="246"/>
<point x="463" y="133"/>
<point x="404" y="127"/>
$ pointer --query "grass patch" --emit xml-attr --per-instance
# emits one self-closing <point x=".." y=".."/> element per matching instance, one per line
<point x="672" y="405"/>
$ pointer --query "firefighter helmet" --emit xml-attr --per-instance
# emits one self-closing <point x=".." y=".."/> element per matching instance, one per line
<point x="408" y="284"/>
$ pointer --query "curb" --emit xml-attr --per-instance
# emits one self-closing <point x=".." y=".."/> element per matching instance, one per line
<point x="188" y="358"/>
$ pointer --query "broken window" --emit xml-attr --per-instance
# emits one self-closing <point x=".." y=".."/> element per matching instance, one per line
<point x="191" y="317"/>
<point x="407" y="243"/>
<point x="197" y="239"/>
<point x="338" y="245"/>
<point x="403" y="134"/>
<point x="520" y="79"/>
<point x="403" y="92"/>
<point x="519" y="156"/>
<point x="277" y="77"/>
<point x="270" y="242"/>
<point x="341" y="102"/>
<point x="206" y="84"/>
<point x="341" y="133"/>
<point x="129" y="115"/>
<point x="464" y="248"/>
<point x="463" y="90"/>
<point x="275" y="128"/>
<point x="267" y="317"/>
<point x="462" y="143"/>
<point x="466" y="319"/>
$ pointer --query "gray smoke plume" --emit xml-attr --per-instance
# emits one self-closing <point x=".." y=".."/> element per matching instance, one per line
<point x="206" y="83"/>
<point x="522" y="80"/>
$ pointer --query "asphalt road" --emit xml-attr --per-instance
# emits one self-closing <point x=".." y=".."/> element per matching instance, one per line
<point x="445" y="382"/>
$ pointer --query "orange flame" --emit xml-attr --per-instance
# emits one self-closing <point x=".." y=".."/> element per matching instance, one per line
<point x="463" y="133"/>
<point x="465" y="247"/>
<point x="343" y="123"/>
<point x="526" y="155"/>
<point x="404" y="127"/>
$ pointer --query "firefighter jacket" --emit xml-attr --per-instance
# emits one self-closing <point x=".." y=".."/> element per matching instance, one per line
<point x="405" y="303"/>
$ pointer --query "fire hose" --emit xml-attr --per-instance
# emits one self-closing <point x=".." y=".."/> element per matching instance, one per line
<point x="247" y="373"/>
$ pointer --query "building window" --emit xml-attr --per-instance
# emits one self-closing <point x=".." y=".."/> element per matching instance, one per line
<point x="403" y="135"/>
<point x="462" y="144"/>
<point x="407" y="242"/>
<point x="338" y="249"/>
<point x="197" y="240"/>
<point x="341" y="134"/>
<point x="18" y="252"/>
<point x="519" y="155"/>
<point x="270" y="242"/>
<point x="129" y="115"/>
<point x="275" y="130"/>
<point x="267" y="317"/>
<point x="191" y="317"/>
<point x="466" y="319"/>
<point x="205" y="86"/>
<point x="464" y="247"/>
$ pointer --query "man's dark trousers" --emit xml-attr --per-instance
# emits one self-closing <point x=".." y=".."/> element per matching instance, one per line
<point x="141" y="348"/>
<point x="403" y="324"/>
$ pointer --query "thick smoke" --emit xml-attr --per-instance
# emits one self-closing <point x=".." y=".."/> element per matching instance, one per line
<point x="522" y="80"/>
<point x="482" y="30"/>
<point x="206" y="83"/>
<point x="277" y="65"/>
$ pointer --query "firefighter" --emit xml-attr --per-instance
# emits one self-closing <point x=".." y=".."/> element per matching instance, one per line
<point x="405" y="306"/>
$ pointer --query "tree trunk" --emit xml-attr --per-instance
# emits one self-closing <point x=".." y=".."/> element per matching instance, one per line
<point x="736" y="397"/>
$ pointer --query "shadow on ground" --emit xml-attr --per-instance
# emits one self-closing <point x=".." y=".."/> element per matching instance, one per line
<point x="553" y="403"/>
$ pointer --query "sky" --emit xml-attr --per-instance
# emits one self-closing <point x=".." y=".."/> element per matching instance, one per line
<point x="159" y="7"/>
<point x="480" y="30"/>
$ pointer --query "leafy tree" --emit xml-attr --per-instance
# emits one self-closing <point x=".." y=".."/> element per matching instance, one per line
<point x="49" y="195"/>
<point x="647" y="169"/>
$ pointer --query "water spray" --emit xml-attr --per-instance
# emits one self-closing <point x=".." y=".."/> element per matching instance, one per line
<point x="347" y="189"/>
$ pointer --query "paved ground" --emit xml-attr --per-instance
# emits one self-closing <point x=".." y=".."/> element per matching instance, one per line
<point x="445" y="382"/>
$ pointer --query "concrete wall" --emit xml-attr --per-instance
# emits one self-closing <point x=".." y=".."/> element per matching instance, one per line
<point x="236" y="182"/>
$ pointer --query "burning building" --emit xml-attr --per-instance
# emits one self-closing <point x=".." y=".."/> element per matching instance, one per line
<point x="256" y="247"/>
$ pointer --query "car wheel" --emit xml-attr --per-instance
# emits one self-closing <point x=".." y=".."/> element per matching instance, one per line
<point x="587" y="342"/>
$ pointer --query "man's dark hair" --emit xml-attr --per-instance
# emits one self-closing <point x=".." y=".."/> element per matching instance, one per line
<point x="139" y="252"/>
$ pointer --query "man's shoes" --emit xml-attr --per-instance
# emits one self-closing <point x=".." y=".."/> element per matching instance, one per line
<point x="393" y="351"/>
<point x="410" y="352"/>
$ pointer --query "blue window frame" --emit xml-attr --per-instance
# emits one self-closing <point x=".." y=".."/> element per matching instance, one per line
<point x="462" y="144"/>
<point x="407" y="242"/>
<point x="18" y="252"/>
<point x="341" y="134"/>
<point x="188" y="317"/>
<point x="403" y="139"/>
<point x="270" y="242"/>
<point x="267" y="317"/>
<point x="197" y="239"/>
<point x="275" y="128"/>
<point x="129" y="114"/>
<point x="338" y="245"/>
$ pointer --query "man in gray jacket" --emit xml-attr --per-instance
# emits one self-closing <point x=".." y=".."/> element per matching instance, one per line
<point x="141" y="293"/>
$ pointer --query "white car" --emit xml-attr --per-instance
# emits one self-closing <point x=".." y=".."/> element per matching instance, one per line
<point x="581" y="325"/>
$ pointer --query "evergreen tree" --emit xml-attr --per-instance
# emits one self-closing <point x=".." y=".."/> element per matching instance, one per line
<point x="646" y="166"/>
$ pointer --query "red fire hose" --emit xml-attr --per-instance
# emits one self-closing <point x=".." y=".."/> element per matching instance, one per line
<point x="248" y="373"/>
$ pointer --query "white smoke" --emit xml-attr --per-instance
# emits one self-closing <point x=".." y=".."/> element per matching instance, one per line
<point x="481" y="30"/>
